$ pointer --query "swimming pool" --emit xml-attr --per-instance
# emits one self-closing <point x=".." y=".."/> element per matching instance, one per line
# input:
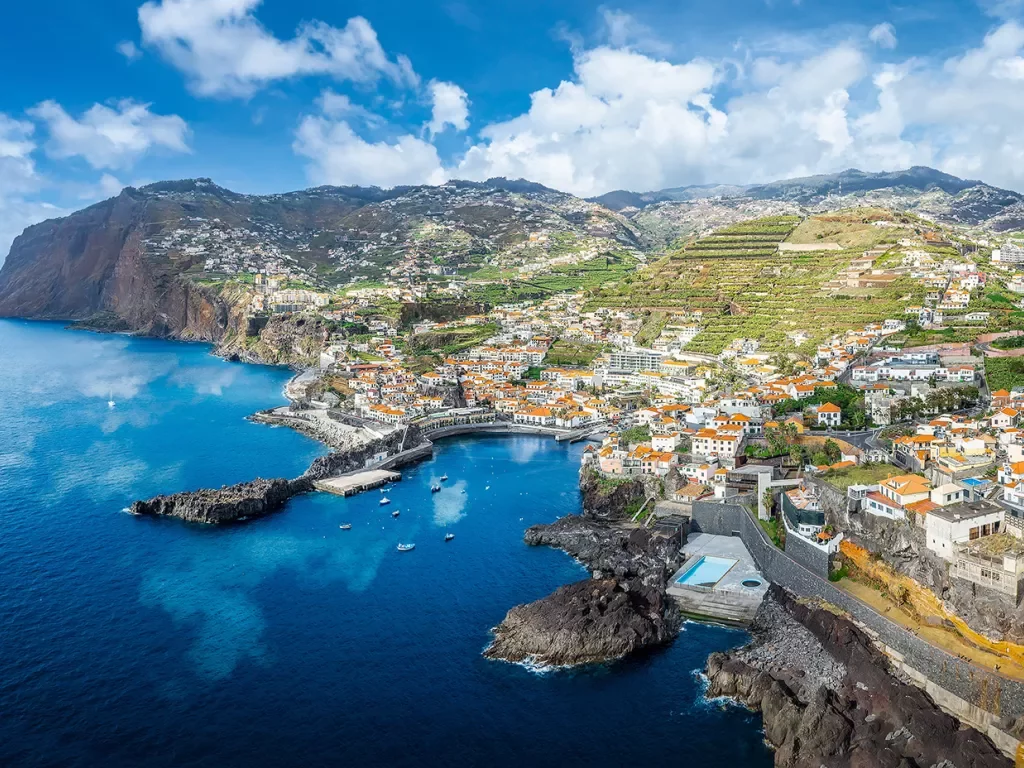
<point x="706" y="572"/>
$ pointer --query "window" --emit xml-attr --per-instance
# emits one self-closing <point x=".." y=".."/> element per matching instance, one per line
<point x="974" y="534"/>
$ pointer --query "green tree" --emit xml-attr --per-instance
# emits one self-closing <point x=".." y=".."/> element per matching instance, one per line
<point x="832" y="451"/>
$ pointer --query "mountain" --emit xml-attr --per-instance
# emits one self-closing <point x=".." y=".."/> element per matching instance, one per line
<point x="664" y="216"/>
<point x="156" y="259"/>
<point x="620" y="199"/>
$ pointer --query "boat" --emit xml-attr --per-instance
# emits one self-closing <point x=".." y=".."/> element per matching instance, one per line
<point x="435" y="488"/>
<point x="396" y="513"/>
<point x="449" y="536"/>
<point x="346" y="526"/>
<point x="406" y="547"/>
<point x="443" y="478"/>
<point x="385" y="500"/>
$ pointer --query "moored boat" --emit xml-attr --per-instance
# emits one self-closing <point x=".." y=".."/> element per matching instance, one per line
<point x="384" y="501"/>
<point x="443" y="478"/>
<point x="449" y="536"/>
<point x="406" y="547"/>
<point x="396" y="513"/>
<point x="346" y="526"/>
<point x="435" y="488"/>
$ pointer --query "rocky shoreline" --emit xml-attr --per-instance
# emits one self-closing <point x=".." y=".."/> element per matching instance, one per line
<point x="830" y="700"/>
<point x="227" y="504"/>
<point x="621" y="608"/>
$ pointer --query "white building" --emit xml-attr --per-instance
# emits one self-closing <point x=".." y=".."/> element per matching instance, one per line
<point x="948" y="527"/>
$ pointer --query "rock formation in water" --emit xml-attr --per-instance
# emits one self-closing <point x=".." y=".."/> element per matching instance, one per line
<point x="615" y="551"/>
<point x="622" y="608"/>
<point x="590" y="621"/>
<point x="224" y="505"/>
<point x="829" y="699"/>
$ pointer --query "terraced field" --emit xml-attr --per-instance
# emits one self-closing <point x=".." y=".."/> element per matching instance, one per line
<point x="746" y="288"/>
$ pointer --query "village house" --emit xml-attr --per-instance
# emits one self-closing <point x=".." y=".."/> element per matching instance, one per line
<point x="895" y="494"/>
<point x="829" y="415"/>
<point x="948" y="527"/>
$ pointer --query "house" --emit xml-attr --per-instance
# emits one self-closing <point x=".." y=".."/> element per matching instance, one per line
<point x="1004" y="417"/>
<point x="665" y="442"/>
<point x="948" y="527"/>
<point x="894" y="494"/>
<point x="538" y="417"/>
<point x="829" y="415"/>
<point x="710" y="442"/>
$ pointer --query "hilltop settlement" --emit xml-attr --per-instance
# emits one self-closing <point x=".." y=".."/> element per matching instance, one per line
<point x="802" y="411"/>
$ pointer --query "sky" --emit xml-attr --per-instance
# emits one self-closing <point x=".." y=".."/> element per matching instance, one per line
<point x="268" y="96"/>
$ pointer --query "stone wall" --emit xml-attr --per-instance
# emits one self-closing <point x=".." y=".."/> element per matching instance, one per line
<point x="989" y="692"/>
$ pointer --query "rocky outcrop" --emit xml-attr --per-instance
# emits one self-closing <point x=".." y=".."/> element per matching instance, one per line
<point x="594" y="620"/>
<point x="613" y="551"/>
<point x="224" y="505"/>
<point x="292" y="339"/>
<point x="828" y="698"/>
<point x="622" y="608"/>
<point x="610" y="499"/>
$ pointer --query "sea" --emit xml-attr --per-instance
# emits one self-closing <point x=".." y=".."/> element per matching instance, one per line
<point x="286" y="640"/>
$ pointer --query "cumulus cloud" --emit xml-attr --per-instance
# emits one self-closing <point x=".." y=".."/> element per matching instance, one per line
<point x="18" y="178"/>
<point x="450" y="107"/>
<point x="626" y="119"/>
<point x="225" y="51"/>
<point x="883" y="35"/>
<point x="129" y="50"/>
<point x="110" y="136"/>
<point x="338" y="155"/>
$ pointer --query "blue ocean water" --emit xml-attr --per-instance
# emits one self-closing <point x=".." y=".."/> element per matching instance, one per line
<point x="287" y="641"/>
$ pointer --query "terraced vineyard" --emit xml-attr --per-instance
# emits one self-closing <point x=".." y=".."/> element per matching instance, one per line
<point x="746" y="288"/>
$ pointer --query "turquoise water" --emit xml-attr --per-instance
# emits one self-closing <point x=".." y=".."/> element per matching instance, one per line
<point x="127" y="641"/>
<point x="707" y="571"/>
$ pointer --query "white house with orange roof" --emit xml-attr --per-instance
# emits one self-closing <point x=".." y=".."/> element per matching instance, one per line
<point x="829" y="415"/>
<point x="1004" y="417"/>
<point x="895" y="494"/>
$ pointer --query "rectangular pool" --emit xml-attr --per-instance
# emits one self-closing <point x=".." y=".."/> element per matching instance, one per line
<point x="706" y="572"/>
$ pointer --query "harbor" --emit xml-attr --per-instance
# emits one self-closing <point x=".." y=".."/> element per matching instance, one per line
<point x="352" y="483"/>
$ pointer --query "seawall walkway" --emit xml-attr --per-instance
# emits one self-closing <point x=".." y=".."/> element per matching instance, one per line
<point x="978" y="696"/>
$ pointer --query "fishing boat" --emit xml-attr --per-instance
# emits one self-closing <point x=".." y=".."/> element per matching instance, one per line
<point x="435" y="489"/>
<point x="443" y="478"/>
<point x="396" y="513"/>
<point x="384" y="500"/>
<point x="346" y="526"/>
<point x="406" y="547"/>
<point x="449" y="536"/>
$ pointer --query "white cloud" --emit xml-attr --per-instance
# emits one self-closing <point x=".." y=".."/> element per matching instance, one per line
<point x="337" y="155"/>
<point x="450" y="107"/>
<point x="18" y="179"/>
<point x="622" y="30"/>
<point x="883" y="35"/>
<point x="225" y="51"/>
<point x="632" y="120"/>
<point x="110" y="137"/>
<point x="129" y="50"/>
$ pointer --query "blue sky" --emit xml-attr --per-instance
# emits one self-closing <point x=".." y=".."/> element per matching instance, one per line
<point x="587" y="97"/>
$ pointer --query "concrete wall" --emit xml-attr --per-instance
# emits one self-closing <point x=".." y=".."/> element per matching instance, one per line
<point x="989" y="692"/>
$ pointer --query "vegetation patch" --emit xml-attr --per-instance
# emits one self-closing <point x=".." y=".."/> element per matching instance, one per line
<point x="575" y="353"/>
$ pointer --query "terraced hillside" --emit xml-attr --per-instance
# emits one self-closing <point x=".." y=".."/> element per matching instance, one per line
<point x="745" y="287"/>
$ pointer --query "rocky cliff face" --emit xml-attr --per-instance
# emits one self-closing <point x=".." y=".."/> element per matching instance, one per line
<point x="829" y="700"/>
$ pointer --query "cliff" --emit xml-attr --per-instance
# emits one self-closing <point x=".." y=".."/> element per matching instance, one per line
<point x="829" y="699"/>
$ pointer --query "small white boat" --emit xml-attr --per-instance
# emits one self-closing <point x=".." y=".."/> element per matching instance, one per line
<point x="396" y="513"/>
<point x="346" y="527"/>
<point x="435" y="488"/>
<point x="443" y="478"/>
<point x="449" y="536"/>
<point x="384" y="501"/>
<point x="406" y="547"/>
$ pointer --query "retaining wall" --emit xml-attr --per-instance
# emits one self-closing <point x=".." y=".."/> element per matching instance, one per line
<point x="990" y="692"/>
